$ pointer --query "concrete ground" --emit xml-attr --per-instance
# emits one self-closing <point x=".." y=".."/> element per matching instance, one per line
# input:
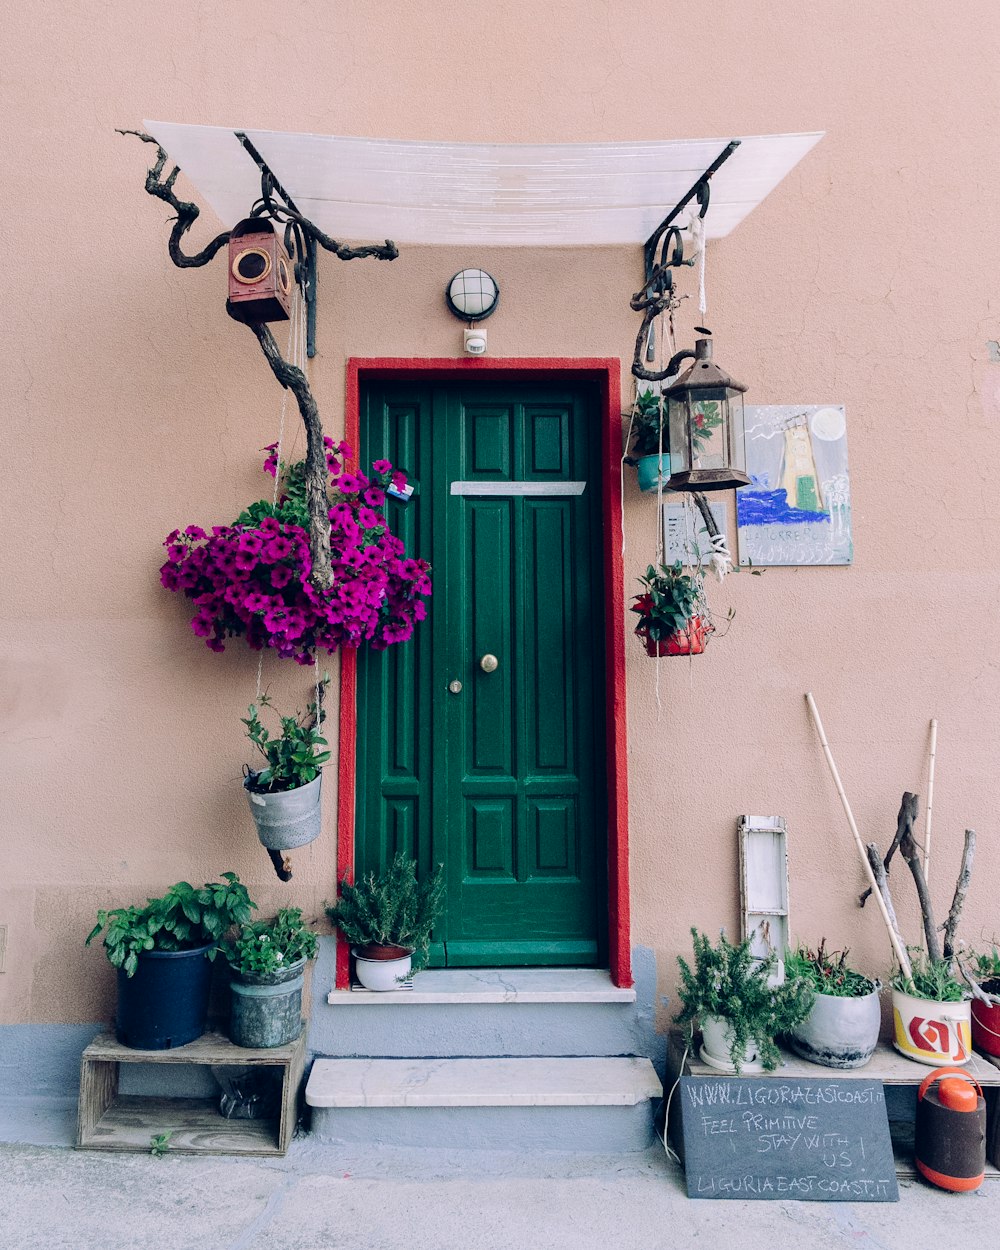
<point x="321" y="1197"/>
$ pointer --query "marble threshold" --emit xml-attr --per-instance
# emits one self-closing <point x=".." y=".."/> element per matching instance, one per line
<point x="535" y="1082"/>
<point x="495" y="985"/>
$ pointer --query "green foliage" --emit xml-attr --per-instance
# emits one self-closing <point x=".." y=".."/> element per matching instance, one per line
<point x="159" y="1144"/>
<point x="293" y="759"/>
<point x="827" y="972"/>
<point x="268" y="946"/>
<point x="645" y="420"/>
<point x="292" y="507"/>
<point x="182" y="919"/>
<point x="729" y="983"/>
<point x="391" y="909"/>
<point x="986" y="965"/>
<point x="706" y="418"/>
<point x="669" y="601"/>
<point x="933" y="979"/>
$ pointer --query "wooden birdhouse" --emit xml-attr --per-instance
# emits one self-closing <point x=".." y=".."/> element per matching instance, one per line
<point x="260" y="273"/>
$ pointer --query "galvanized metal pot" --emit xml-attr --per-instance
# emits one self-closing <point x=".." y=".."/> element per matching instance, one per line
<point x="839" y="1032"/>
<point x="266" y="1010"/>
<point x="287" y="819"/>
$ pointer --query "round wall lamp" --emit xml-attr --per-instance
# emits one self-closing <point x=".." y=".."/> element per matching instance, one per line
<point x="472" y="295"/>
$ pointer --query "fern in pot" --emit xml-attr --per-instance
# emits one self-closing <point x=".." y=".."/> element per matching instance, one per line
<point x="388" y="918"/>
<point x="729" y="993"/>
<point x="842" y="1027"/>
<point x="285" y="796"/>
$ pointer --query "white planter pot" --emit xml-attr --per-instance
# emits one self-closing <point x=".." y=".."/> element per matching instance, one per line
<point x="839" y="1032"/>
<point x="381" y="974"/>
<point x="938" y="1034"/>
<point x="716" y="1044"/>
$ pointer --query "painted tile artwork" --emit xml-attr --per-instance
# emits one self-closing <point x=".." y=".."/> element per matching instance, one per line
<point x="797" y="509"/>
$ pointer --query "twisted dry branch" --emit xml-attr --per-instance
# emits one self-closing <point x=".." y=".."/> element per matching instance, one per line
<point x="290" y="377"/>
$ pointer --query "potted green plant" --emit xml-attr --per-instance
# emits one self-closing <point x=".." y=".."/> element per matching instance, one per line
<point x="285" y="796"/>
<point x="985" y="971"/>
<point x="932" y="1014"/>
<point x="267" y="961"/>
<point x="388" y="919"/>
<point x="842" y="1027"/>
<point x="650" y="448"/>
<point x="740" y="1011"/>
<point x="669" y="619"/>
<point x="163" y="954"/>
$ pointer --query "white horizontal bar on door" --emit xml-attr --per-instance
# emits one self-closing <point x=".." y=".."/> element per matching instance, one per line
<point x="518" y="488"/>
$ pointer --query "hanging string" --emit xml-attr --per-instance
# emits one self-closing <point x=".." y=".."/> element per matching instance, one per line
<point x="292" y="353"/>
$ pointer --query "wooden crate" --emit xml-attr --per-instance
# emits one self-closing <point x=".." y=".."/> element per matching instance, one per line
<point x="886" y="1065"/>
<point x="107" y="1120"/>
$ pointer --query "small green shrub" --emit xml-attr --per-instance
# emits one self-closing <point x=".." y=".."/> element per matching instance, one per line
<point x="726" y="981"/>
<point x="268" y="946"/>
<point x="827" y="972"/>
<point x="933" y="979"/>
<point x="293" y="759"/>
<point x="391" y="908"/>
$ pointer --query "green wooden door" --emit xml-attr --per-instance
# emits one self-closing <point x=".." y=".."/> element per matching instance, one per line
<point x="497" y="774"/>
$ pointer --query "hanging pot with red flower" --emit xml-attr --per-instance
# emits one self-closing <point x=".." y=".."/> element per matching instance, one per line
<point x="670" y="612"/>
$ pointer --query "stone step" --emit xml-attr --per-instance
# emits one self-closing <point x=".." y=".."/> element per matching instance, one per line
<point x="520" y="1012"/>
<point x="592" y="1103"/>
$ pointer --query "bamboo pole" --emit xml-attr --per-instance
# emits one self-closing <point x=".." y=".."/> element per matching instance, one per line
<point x="900" y="951"/>
<point x="930" y="803"/>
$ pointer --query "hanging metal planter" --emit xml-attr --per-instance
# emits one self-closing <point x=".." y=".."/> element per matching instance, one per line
<point x="286" y="819"/>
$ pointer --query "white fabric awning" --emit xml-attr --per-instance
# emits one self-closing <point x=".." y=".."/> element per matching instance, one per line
<point x="527" y="195"/>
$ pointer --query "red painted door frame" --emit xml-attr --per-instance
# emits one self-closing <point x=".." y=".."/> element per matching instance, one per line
<point x="607" y="374"/>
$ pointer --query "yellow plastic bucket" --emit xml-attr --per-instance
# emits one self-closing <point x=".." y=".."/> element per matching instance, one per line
<point x="938" y="1034"/>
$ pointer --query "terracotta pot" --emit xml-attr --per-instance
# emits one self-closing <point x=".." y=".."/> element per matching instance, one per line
<point x="986" y="1021"/>
<point x="690" y="641"/>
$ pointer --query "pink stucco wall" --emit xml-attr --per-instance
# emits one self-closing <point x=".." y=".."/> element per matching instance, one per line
<point x="133" y="404"/>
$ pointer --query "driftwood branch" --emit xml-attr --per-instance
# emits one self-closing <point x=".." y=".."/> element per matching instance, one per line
<point x="911" y="853"/>
<point x="878" y="869"/>
<point x="288" y="375"/>
<point x="282" y="864"/>
<point x="961" y="889"/>
<point x="893" y="847"/>
<point x="706" y="513"/>
<point x="316" y="471"/>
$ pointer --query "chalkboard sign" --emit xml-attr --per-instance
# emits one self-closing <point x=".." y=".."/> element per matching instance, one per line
<point x="814" y="1140"/>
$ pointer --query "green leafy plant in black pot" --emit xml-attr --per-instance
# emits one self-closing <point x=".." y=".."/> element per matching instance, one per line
<point x="285" y="796"/>
<point x="267" y="960"/>
<point x="388" y="918"/>
<point x="741" y="1013"/>
<point x="163" y="952"/>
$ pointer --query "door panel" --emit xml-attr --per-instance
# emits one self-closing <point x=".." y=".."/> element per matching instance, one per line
<point x="502" y="782"/>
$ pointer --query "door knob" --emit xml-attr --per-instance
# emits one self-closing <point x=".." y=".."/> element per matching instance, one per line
<point x="455" y="687"/>
<point x="489" y="663"/>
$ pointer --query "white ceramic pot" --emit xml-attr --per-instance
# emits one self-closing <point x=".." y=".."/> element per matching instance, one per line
<point x="938" y="1034"/>
<point x="380" y="973"/>
<point x="716" y="1045"/>
<point x="839" y="1032"/>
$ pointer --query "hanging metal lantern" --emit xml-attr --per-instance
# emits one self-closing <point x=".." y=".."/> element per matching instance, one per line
<point x="705" y="419"/>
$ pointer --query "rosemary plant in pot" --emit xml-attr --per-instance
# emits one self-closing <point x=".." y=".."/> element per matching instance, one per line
<point x="650" y="448"/>
<point x="668" y="608"/>
<point x="267" y="961"/>
<point x="842" y="1027"/>
<point x="163" y="952"/>
<point x="741" y="1013"/>
<point x="388" y="918"/>
<point x="285" y="796"/>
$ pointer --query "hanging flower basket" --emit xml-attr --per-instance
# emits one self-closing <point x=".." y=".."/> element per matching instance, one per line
<point x="251" y="579"/>
<point x="688" y="641"/>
